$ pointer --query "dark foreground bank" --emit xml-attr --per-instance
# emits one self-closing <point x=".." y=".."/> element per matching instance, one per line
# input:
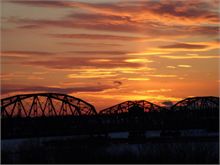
<point x="99" y="150"/>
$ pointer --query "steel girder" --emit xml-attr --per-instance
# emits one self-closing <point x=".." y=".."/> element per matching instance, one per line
<point x="197" y="103"/>
<point x="123" y="107"/>
<point x="44" y="104"/>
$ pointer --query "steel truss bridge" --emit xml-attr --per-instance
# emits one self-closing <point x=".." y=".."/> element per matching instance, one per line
<point x="44" y="105"/>
<point x="53" y="114"/>
<point x="125" y="106"/>
<point x="197" y="103"/>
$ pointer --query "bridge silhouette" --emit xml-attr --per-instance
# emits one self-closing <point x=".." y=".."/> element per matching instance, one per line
<point x="54" y="114"/>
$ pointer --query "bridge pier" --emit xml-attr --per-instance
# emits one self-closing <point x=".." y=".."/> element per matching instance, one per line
<point x="136" y="131"/>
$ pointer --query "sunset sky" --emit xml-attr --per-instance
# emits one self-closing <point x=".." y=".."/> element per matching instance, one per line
<point x="107" y="52"/>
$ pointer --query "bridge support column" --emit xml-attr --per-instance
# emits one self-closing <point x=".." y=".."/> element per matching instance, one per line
<point x="136" y="131"/>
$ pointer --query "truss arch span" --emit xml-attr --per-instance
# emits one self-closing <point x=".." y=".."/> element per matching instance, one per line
<point x="197" y="103"/>
<point x="44" y="105"/>
<point x="125" y="106"/>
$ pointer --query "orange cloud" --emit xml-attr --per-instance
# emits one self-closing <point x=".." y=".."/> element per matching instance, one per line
<point x="175" y="57"/>
<point x="148" y="28"/>
<point x="179" y="11"/>
<point x="97" y="37"/>
<point x="73" y="62"/>
<point x="82" y="44"/>
<point x="25" y="53"/>
<point x="158" y="90"/>
<point x="151" y="18"/>
<point x="191" y="45"/>
<point x="10" y="88"/>
<point x="184" y="66"/>
<point x="138" y="79"/>
<point x="185" y="46"/>
<point x="163" y="76"/>
<point x="171" y="67"/>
